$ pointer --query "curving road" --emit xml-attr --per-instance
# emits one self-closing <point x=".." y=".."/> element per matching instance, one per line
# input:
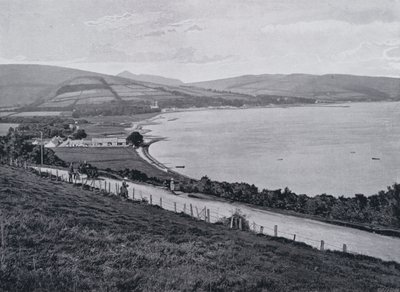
<point x="306" y="230"/>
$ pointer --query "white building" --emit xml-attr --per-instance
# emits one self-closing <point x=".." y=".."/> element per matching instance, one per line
<point x="109" y="142"/>
<point x="76" y="143"/>
<point x="54" y="142"/>
<point x="154" y="105"/>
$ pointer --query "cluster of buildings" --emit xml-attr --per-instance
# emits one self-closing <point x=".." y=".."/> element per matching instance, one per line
<point x="94" y="142"/>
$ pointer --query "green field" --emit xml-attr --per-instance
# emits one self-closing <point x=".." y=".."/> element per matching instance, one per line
<point x="113" y="125"/>
<point x="110" y="157"/>
<point x="61" y="238"/>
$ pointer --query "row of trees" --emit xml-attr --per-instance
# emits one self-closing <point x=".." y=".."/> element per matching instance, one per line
<point x="49" y="126"/>
<point x="205" y="101"/>
<point x="116" y="108"/>
<point x="380" y="209"/>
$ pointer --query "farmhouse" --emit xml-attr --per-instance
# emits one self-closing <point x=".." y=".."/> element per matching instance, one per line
<point x="109" y="142"/>
<point x="76" y="143"/>
<point x="54" y="142"/>
<point x="94" y="142"/>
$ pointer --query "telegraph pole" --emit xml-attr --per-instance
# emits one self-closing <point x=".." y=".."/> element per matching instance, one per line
<point x="41" y="148"/>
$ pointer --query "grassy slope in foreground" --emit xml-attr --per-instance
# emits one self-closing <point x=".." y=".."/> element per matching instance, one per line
<point x="60" y="238"/>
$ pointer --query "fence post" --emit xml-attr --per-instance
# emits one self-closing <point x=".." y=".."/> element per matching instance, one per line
<point x="184" y="208"/>
<point x="109" y="187"/>
<point x="344" y="247"/>
<point x="197" y="212"/>
<point x="262" y="229"/>
<point x="57" y="174"/>
<point x="25" y="165"/>
<point x="208" y="215"/>
<point x="191" y="210"/>
<point x="2" y="234"/>
<point x="151" y="199"/>
<point x="116" y="189"/>
<point x="133" y="194"/>
<point x="294" y="237"/>
<point x="161" y="202"/>
<point x="240" y="223"/>
<point x="232" y="221"/>
<point x="2" y="243"/>
<point x="276" y="230"/>
<point x="175" y="207"/>
<point x="322" y="245"/>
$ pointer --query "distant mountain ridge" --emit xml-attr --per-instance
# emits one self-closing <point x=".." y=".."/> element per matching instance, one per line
<point x="52" y="88"/>
<point x="330" y="87"/>
<point x="151" y="78"/>
<point x="56" y="88"/>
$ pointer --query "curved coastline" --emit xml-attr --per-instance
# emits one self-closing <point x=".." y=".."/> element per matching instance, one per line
<point x="148" y="157"/>
<point x="359" y="226"/>
<point x="144" y="151"/>
<point x="145" y="154"/>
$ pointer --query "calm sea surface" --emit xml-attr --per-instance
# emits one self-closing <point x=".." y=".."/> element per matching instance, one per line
<point x="4" y="128"/>
<point x="339" y="150"/>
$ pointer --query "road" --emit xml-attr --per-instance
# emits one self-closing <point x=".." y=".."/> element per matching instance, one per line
<point x="306" y="230"/>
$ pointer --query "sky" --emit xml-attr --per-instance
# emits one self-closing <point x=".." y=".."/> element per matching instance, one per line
<point x="196" y="40"/>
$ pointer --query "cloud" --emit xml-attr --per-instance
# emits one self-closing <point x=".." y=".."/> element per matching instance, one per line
<point x="168" y="29"/>
<point x="303" y="27"/>
<point x="328" y="26"/>
<point x="112" y="22"/>
<point x="108" y="53"/>
<point x="155" y="33"/>
<point x="387" y="51"/>
<point x="392" y="54"/>
<point x="194" y="28"/>
<point x="190" y="55"/>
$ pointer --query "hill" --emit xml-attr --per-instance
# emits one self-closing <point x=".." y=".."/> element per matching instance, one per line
<point x="58" y="237"/>
<point x="53" y="88"/>
<point x="23" y="84"/>
<point x="151" y="78"/>
<point x="331" y="87"/>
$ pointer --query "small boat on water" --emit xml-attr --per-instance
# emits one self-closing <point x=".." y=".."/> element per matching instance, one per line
<point x="180" y="166"/>
<point x="352" y="152"/>
<point x="375" y="158"/>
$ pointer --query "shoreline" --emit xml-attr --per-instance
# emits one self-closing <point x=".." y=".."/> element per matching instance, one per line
<point x="153" y="161"/>
<point x="145" y="154"/>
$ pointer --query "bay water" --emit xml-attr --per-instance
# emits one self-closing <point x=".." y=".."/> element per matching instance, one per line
<point x="338" y="149"/>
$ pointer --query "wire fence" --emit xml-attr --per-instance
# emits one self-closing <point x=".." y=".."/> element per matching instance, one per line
<point x="136" y="193"/>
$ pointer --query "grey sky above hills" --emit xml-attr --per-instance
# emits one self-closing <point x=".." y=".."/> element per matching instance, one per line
<point x="195" y="40"/>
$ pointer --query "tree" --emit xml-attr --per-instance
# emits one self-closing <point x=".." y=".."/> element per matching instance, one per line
<point x="80" y="134"/>
<point x="135" y="138"/>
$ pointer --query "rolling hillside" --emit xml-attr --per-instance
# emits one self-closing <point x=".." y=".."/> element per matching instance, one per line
<point x="24" y="84"/>
<point x="56" y="88"/>
<point x="48" y="87"/>
<point x="53" y="88"/>
<point x="332" y="87"/>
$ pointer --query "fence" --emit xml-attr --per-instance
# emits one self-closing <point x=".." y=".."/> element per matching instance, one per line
<point x="112" y="186"/>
